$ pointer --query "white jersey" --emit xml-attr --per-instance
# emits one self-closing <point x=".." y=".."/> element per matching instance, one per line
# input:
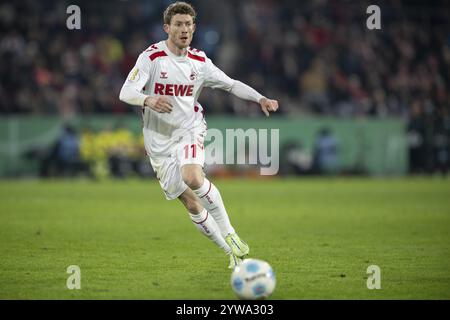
<point x="158" y="72"/>
<point x="175" y="139"/>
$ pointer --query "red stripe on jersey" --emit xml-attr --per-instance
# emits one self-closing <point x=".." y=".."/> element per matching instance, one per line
<point x="195" y="57"/>
<point x="158" y="54"/>
<point x="152" y="47"/>
<point x="193" y="49"/>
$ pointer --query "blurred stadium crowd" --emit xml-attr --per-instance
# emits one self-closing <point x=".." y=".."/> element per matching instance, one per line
<point x="316" y="57"/>
<point x="112" y="152"/>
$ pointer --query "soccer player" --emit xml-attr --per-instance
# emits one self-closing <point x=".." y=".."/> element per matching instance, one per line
<point x="166" y="82"/>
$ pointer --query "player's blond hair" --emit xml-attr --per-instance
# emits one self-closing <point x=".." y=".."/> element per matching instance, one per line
<point x="179" y="7"/>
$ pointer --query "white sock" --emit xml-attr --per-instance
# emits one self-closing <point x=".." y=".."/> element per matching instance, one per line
<point x="210" y="198"/>
<point x="206" y="225"/>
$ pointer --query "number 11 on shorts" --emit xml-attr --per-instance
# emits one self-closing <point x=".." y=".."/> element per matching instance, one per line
<point x="186" y="150"/>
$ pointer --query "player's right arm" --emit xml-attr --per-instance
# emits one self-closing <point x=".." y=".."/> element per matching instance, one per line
<point x="131" y="91"/>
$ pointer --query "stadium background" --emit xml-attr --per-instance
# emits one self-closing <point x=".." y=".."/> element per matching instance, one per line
<point x="366" y="101"/>
<point x="353" y="102"/>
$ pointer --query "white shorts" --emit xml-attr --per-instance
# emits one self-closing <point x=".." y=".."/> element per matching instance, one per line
<point x="187" y="147"/>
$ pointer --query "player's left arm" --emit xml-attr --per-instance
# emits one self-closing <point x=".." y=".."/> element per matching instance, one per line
<point x="243" y="91"/>
<point x="216" y="78"/>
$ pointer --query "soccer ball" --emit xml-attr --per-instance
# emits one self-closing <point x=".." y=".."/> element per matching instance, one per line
<point x="253" y="279"/>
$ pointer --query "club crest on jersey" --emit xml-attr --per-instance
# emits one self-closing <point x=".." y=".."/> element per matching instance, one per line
<point x="163" y="75"/>
<point x="193" y="75"/>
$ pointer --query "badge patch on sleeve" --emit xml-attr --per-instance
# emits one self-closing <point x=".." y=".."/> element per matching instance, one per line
<point x="134" y="75"/>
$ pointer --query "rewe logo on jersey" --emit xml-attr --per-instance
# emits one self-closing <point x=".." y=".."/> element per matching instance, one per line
<point x="178" y="90"/>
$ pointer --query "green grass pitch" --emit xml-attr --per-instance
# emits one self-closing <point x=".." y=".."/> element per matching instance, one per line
<point x="320" y="235"/>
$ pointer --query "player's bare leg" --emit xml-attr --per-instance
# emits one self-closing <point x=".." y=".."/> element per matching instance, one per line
<point x="211" y="199"/>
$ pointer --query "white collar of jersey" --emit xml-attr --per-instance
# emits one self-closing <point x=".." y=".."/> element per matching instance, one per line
<point x="171" y="54"/>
